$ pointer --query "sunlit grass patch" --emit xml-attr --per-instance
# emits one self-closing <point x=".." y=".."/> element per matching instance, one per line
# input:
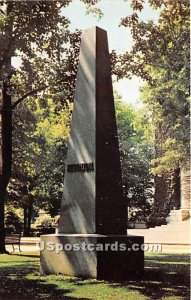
<point x="166" y="277"/>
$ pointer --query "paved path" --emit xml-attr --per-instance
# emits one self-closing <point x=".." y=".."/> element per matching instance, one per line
<point x="175" y="233"/>
<point x="29" y="244"/>
<point x="174" y="237"/>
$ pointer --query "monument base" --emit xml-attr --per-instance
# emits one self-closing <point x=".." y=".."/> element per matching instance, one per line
<point x="92" y="255"/>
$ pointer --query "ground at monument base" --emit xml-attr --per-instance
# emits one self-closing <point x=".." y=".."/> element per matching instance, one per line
<point x="60" y="254"/>
<point x="165" y="277"/>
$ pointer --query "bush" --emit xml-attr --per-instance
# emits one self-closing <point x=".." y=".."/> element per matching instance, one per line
<point x="13" y="219"/>
<point x="43" y="221"/>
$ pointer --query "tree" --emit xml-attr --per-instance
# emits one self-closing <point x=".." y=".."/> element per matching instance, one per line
<point x="136" y="152"/>
<point x="39" y="151"/>
<point x="19" y="33"/>
<point x="38" y="33"/>
<point x="168" y="97"/>
<point x="160" y="55"/>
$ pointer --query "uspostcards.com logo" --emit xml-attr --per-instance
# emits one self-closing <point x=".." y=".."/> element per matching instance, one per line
<point x="116" y="246"/>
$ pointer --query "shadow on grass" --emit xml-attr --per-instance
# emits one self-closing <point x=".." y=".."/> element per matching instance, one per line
<point x="14" y="284"/>
<point x="165" y="276"/>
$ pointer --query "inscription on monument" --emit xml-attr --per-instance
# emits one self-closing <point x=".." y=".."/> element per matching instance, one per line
<point x="85" y="167"/>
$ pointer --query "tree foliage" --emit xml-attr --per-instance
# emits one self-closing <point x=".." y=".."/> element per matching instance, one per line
<point x="37" y="33"/>
<point x="40" y="143"/>
<point x="136" y="152"/>
<point x="160" y="55"/>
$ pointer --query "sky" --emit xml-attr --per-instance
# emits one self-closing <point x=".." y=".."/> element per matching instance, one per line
<point x="119" y="37"/>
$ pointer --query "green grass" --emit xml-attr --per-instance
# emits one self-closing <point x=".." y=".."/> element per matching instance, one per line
<point x="166" y="277"/>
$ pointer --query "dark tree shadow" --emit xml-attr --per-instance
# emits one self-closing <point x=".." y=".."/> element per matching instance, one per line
<point x="165" y="276"/>
<point x="14" y="285"/>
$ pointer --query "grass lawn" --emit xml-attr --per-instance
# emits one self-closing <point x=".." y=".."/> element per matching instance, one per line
<point x="166" y="277"/>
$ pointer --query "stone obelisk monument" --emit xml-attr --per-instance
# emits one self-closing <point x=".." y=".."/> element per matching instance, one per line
<point x="92" y="228"/>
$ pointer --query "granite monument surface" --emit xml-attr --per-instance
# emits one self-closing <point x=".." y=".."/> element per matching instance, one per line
<point x="92" y="239"/>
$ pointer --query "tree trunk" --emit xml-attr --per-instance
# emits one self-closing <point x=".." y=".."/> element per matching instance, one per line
<point x="176" y="189"/>
<point x="25" y="221"/>
<point x="6" y="157"/>
<point x="29" y="216"/>
<point x="161" y="195"/>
